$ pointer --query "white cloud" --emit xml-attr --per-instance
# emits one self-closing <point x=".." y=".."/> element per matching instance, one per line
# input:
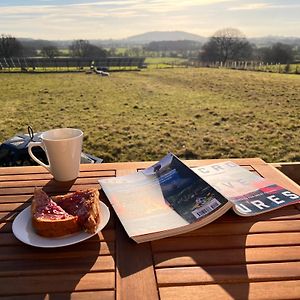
<point x="261" y="5"/>
<point x="102" y="3"/>
<point x="250" y="6"/>
<point x="118" y="19"/>
<point x="78" y="13"/>
<point x="152" y="6"/>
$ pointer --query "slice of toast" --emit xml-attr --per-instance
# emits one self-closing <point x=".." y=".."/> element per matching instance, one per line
<point x="85" y="205"/>
<point x="49" y="219"/>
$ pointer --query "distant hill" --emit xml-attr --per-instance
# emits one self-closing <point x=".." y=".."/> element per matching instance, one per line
<point x="157" y="36"/>
<point x="165" y="36"/>
<point x="36" y="43"/>
<point x="268" y="41"/>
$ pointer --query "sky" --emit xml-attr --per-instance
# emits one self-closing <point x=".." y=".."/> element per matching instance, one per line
<point x="117" y="19"/>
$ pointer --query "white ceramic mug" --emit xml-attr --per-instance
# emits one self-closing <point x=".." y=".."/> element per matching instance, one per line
<point x="63" y="148"/>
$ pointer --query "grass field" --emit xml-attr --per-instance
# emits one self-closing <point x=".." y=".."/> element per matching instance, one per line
<point x="195" y="113"/>
<point x="164" y="62"/>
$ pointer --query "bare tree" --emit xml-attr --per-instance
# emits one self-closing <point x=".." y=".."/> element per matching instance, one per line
<point x="112" y="51"/>
<point x="281" y="53"/>
<point x="49" y="51"/>
<point x="226" y="44"/>
<point x="83" y="48"/>
<point x="277" y="53"/>
<point x="9" y="46"/>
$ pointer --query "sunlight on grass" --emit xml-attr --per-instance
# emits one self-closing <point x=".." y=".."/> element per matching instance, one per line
<point x="195" y="113"/>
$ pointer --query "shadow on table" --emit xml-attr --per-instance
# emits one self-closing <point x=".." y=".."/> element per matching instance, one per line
<point x="216" y="257"/>
<point x="55" y="272"/>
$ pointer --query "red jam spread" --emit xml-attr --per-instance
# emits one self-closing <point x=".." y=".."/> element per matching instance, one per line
<point x="77" y="205"/>
<point x="50" y="210"/>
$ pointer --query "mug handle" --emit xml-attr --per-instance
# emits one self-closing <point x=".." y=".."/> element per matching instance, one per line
<point x="37" y="144"/>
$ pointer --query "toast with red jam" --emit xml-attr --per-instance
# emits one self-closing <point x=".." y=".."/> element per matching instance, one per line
<point x="85" y="205"/>
<point x="49" y="219"/>
<point x="65" y="214"/>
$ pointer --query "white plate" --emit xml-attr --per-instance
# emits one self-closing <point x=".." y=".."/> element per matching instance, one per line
<point x="23" y="231"/>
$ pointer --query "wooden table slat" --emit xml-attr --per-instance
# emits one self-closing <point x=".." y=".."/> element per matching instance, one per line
<point x="57" y="283"/>
<point x="84" y="168"/>
<point x="15" y="198"/>
<point x="217" y="229"/>
<point x="51" y="189"/>
<point x="57" y="266"/>
<point x="271" y="290"/>
<point x="86" y="249"/>
<point x="94" y="295"/>
<point x="227" y="256"/>
<point x="228" y="274"/>
<point x="226" y="242"/>
<point x="39" y="177"/>
<point x="107" y="235"/>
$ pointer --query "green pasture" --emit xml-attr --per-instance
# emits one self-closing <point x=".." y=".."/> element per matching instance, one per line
<point x="280" y="68"/>
<point x="129" y="116"/>
<point x="164" y="62"/>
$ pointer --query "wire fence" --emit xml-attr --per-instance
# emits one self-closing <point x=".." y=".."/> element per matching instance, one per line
<point x="22" y="64"/>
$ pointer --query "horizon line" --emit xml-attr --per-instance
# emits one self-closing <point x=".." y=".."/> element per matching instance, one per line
<point x="125" y="38"/>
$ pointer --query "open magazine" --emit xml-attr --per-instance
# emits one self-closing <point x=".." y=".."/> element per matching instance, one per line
<point x="169" y="198"/>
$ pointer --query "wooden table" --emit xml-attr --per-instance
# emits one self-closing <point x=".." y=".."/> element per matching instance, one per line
<point x="232" y="258"/>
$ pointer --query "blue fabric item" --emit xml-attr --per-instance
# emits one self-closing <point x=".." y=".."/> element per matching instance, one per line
<point x="14" y="151"/>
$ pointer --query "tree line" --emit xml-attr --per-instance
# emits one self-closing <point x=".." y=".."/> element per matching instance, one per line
<point x="12" y="47"/>
<point x="225" y="45"/>
<point x="231" y="45"/>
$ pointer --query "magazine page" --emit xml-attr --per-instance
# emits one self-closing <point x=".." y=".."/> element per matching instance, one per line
<point x="249" y="193"/>
<point x="165" y="196"/>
